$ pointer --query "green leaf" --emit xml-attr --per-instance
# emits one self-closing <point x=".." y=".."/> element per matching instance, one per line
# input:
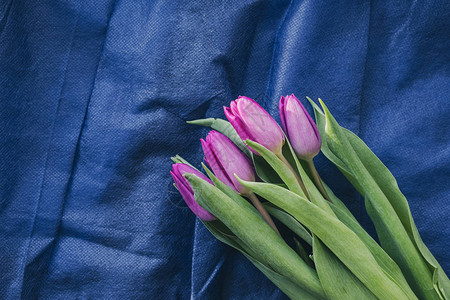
<point x="264" y="170"/>
<point x="223" y="234"/>
<point x="179" y="160"/>
<point x="383" y="259"/>
<point x="341" y="240"/>
<point x="314" y="194"/>
<point x="238" y="199"/>
<point x="301" y="251"/>
<point x="257" y="235"/>
<point x="337" y="280"/>
<point x="292" y="290"/>
<point x="336" y="201"/>
<point x="388" y="184"/>
<point x="225" y="128"/>
<point x="289" y="221"/>
<point x="388" y="208"/>
<point x="279" y="166"/>
<point x="289" y="288"/>
<point x="321" y="123"/>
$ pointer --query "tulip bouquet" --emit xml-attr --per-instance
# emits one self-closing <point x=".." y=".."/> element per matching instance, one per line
<point x="259" y="172"/>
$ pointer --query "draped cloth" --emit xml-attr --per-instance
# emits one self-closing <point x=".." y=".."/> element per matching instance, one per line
<point x="94" y="96"/>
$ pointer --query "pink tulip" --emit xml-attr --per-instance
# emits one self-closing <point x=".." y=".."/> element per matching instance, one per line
<point x="299" y="127"/>
<point x="252" y="122"/>
<point x="186" y="191"/>
<point x="225" y="159"/>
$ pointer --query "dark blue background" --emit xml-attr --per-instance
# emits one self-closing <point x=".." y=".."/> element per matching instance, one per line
<point x="94" y="96"/>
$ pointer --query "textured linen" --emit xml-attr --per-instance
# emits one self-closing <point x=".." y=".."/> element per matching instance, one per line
<point x="94" y="96"/>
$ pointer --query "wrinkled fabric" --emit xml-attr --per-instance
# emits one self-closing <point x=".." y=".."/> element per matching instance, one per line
<point x="94" y="96"/>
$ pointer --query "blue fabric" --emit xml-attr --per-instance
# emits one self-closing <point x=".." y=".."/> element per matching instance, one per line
<point x="94" y="96"/>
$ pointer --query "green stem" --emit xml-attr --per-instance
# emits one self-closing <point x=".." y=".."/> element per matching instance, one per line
<point x="262" y="210"/>
<point x="300" y="182"/>
<point x="316" y="179"/>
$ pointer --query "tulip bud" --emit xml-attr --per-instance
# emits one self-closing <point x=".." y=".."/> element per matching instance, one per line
<point x="225" y="159"/>
<point x="252" y="122"/>
<point x="186" y="191"/>
<point x="299" y="127"/>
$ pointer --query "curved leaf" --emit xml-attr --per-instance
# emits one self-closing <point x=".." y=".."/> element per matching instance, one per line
<point x="292" y="290"/>
<point x="314" y="194"/>
<point x="264" y="170"/>
<point x="337" y="280"/>
<point x="279" y="166"/>
<point x="179" y="160"/>
<point x="383" y="259"/>
<point x="238" y="199"/>
<point x="337" y="202"/>
<point x="289" y="221"/>
<point x="257" y="235"/>
<point x="388" y="184"/>
<point x="301" y="251"/>
<point x="341" y="240"/>
<point x="389" y="209"/>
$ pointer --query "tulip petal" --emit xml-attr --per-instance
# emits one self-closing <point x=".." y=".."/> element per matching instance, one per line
<point x="214" y="163"/>
<point x="231" y="160"/>
<point x="176" y="172"/>
<point x="281" y="108"/>
<point x="183" y="168"/>
<point x="237" y="123"/>
<point x="301" y="130"/>
<point x="187" y="193"/>
<point x="311" y="121"/>
<point x="259" y="124"/>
